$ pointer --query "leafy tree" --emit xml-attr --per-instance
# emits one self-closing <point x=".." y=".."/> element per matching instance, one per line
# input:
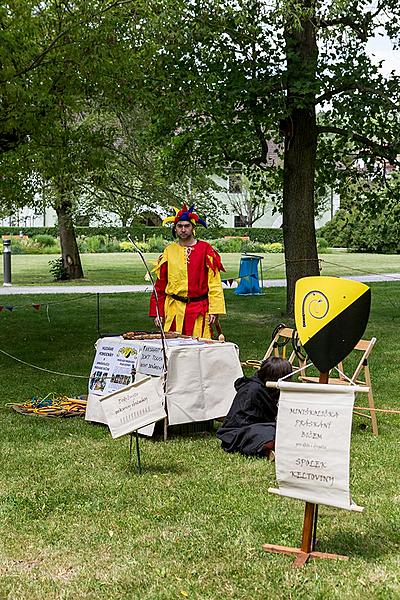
<point x="55" y="59"/>
<point x="255" y="192"/>
<point x="369" y="216"/>
<point x="129" y="181"/>
<point x="224" y="77"/>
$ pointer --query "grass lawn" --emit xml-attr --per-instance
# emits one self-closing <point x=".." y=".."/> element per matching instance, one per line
<point x="75" y="523"/>
<point x="127" y="268"/>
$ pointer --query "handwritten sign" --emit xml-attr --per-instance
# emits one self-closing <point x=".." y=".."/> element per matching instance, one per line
<point x="313" y="443"/>
<point x="134" y="406"/>
<point x="151" y="360"/>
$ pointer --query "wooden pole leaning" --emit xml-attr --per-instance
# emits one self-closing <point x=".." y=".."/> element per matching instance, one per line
<point x="308" y="539"/>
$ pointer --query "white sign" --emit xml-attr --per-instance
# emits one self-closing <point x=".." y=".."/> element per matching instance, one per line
<point x="114" y="366"/>
<point x="313" y="443"/>
<point x="200" y="378"/>
<point x="151" y="360"/>
<point x="134" y="406"/>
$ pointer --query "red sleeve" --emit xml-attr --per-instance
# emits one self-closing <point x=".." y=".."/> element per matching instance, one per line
<point x="160" y="285"/>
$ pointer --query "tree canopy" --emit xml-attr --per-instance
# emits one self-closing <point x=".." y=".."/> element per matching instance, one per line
<point x="225" y="77"/>
<point x="216" y="82"/>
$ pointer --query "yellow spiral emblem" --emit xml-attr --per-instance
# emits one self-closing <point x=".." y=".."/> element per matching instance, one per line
<point x="315" y="305"/>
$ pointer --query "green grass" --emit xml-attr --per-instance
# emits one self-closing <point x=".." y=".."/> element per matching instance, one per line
<point x="76" y="523"/>
<point x="127" y="268"/>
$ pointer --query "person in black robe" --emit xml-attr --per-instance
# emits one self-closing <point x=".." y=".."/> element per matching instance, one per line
<point x="249" y="427"/>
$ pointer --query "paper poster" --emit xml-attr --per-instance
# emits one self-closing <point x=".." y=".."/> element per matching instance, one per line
<point x="134" y="407"/>
<point x="151" y="360"/>
<point x="313" y="443"/>
<point x="114" y="365"/>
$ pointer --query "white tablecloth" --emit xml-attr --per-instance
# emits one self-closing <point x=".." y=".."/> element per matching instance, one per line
<point x="199" y="383"/>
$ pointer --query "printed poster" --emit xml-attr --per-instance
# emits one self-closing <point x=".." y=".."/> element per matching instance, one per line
<point x="114" y="366"/>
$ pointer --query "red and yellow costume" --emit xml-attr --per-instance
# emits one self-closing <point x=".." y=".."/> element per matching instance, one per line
<point x="192" y="273"/>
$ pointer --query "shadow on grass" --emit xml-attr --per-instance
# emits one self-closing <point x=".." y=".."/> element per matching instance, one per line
<point x="376" y="543"/>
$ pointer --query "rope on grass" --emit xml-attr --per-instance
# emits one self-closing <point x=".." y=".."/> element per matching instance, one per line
<point x="52" y="405"/>
<point x="41" y="368"/>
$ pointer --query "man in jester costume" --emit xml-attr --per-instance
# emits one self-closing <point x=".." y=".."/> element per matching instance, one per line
<point x="188" y="284"/>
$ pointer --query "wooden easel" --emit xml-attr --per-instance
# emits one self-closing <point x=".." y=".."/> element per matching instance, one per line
<point x="308" y="539"/>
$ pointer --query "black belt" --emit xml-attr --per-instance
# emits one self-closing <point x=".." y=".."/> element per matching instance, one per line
<point x="188" y="300"/>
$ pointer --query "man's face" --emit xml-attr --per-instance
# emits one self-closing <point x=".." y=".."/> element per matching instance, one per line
<point x="184" y="230"/>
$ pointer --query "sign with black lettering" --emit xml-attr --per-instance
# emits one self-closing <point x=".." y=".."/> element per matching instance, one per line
<point x="114" y="365"/>
<point x="134" y="406"/>
<point x="151" y="360"/>
<point x="313" y="443"/>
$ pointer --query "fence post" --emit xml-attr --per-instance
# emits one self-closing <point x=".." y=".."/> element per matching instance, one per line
<point x="7" y="262"/>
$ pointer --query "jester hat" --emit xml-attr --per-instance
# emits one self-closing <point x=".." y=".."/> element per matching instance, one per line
<point x="185" y="214"/>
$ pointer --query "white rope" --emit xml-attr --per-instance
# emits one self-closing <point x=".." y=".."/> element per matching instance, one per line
<point x="295" y="372"/>
<point x="41" y="368"/>
<point x="345" y="376"/>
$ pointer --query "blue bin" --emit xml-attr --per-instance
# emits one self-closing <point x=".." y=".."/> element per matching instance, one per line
<point x="248" y="272"/>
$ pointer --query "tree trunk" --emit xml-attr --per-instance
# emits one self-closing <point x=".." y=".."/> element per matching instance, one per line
<point x="69" y="247"/>
<point x="299" y="157"/>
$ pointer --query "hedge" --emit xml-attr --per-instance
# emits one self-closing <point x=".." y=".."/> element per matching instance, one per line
<point x="266" y="236"/>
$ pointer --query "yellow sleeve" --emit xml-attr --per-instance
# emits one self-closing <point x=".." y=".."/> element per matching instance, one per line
<point x="216" y="298"/>
<point x="163" y="258"/>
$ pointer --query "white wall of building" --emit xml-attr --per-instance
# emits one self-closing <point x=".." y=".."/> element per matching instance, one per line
<point x="270" y="219"/>
<point x="27" y="217"/>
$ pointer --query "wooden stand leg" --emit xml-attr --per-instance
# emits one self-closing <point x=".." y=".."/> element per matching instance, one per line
<point x="374" y="421"/>
<point x="307" y="537"/>
<point x="307" y="550"/>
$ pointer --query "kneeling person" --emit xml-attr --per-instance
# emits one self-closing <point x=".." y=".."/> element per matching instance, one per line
<point x="249" y="427"/>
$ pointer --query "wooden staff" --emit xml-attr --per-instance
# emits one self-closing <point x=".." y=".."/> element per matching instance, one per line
<point x="310" y="516"/>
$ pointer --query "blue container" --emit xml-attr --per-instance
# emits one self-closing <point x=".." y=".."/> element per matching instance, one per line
<point x="248" y="273"/>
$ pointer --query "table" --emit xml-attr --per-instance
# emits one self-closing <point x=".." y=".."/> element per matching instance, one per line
<point x="199" y="382"/>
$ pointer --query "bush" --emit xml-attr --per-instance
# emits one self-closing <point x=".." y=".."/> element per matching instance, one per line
<point x="260" y="234"/>
<point x="16" y="248"/>
<point x="322" y="245"/>
<point x="273" y="248"/>
<point x="361" y="233"/>
<point x="82" y="244"/>
<point x="228" y="245"/>
<point x="96" y="243"/>
<point x="58" y="270"/>
<point x="33" y="246"/>
<point x="44" y="240"/>
<point x="111" y="244"/>
<point x="250" y="246"/>
<point x="156" y="243"/>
